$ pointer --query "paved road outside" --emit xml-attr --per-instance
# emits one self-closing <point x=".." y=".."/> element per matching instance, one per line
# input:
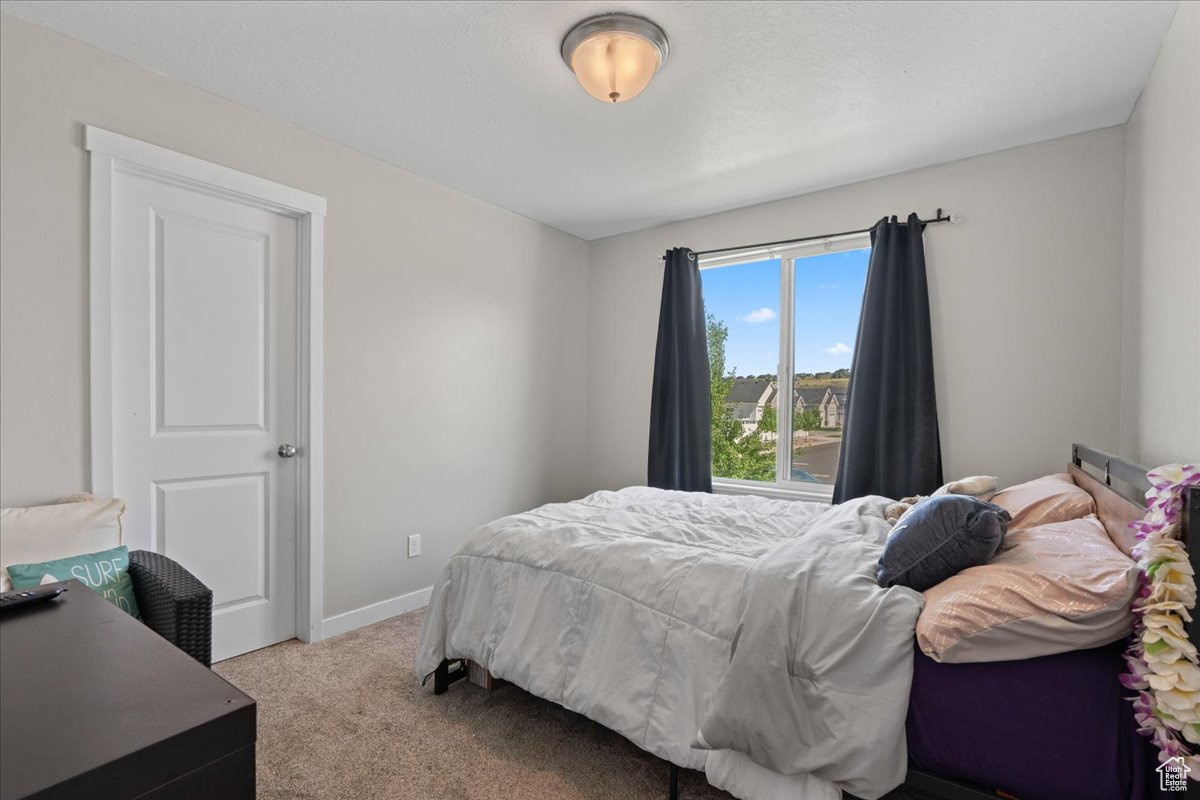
<point x="820" y="460"/>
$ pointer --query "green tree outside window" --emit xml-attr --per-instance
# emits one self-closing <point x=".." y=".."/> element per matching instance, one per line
<point x="735" y="453"/>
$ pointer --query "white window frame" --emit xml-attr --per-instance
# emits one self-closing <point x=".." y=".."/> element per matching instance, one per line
<point x="788" y="255"/>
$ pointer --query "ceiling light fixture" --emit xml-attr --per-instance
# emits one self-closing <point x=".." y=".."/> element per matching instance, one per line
<point x="614" y="56"/>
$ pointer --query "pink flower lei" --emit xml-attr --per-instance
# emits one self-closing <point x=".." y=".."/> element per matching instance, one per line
<point x="1163" y="665"/>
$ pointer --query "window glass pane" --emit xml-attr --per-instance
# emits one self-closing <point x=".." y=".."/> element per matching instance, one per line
<point x="827" y="298"/>
<point x="741" y="303"/>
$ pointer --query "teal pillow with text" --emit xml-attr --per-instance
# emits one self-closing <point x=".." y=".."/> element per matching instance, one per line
<point x="106" y="573"/>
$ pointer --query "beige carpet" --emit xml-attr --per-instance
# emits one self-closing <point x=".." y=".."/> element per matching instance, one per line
<point x="347" y="719"/>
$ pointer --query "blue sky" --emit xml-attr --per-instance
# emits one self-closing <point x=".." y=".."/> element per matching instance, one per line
<point x="828" y="297"/>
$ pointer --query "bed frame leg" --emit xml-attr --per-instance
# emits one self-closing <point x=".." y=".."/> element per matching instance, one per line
<point x="481" y="677"/>
<point x="674" y="787"/>
<point x="448" y="672"/>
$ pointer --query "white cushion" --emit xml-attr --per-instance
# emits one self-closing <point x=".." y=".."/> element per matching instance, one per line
<point x="46" y="533"/>
<point x="981" y="487"/>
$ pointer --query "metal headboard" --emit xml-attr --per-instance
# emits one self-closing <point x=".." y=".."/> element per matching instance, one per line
<point x="1133" y="476"/>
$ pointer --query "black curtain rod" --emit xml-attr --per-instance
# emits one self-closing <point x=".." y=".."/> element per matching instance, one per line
<point x="937" y="218"/>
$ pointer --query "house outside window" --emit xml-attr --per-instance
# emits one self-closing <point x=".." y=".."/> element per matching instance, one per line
<point x="785" y="318"/>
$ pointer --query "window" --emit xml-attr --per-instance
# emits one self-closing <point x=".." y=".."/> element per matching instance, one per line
<point x="781" y="333"/>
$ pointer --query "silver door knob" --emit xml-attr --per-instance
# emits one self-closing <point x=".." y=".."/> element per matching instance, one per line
<point x="286" y="451"/>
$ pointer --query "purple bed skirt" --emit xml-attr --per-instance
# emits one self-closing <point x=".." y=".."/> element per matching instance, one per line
<point x="1045" y="728"/>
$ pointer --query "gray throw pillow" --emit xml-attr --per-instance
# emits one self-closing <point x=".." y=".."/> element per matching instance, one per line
<point x="941" y="537"/>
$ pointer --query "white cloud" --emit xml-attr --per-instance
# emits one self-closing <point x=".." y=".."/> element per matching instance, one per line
<point x="761" y="315"/>
<point x="839" y="349"/>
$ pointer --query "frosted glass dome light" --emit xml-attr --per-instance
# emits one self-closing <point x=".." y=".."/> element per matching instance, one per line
<point x="614" y="56"/>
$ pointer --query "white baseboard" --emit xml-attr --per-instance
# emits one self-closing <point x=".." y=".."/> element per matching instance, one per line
<point x="376" y="612"/>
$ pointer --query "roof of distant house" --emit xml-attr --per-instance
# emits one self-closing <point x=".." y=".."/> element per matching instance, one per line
<point x="812" y="395"/>
<point x="750" y="390"/>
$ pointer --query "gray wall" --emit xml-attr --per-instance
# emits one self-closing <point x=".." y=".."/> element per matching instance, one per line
<point x="1160" y="419"/>
<point x="455" y="343"/>
<point x="476" y="365"/>
<point x="1025" y="299"/>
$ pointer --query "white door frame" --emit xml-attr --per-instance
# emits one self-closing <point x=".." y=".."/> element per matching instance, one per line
<point x="112" y="152"/>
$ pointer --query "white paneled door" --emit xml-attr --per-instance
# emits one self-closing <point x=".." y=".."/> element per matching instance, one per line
<point x="205" y="394"/>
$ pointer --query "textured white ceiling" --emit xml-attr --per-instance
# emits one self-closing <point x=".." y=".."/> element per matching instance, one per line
<point x="758" y="100"/>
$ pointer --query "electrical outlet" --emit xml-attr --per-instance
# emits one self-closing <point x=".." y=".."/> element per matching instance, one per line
<point x="414" y="545"/>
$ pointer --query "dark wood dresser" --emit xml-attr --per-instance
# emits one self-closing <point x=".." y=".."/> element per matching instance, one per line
<point x="94" y="704"/>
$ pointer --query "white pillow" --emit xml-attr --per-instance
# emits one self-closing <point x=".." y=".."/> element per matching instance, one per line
<point x="981" y="487"/>
<point x="46" y="533"/>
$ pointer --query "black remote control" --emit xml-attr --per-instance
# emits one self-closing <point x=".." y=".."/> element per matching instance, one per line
<point x="24" y="597"/>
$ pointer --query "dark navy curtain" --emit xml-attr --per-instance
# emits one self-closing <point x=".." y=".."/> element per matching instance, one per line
<point x="890" y="443"/>
<point x="680" y="409"/>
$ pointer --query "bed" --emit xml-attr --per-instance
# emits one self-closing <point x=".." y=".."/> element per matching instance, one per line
<point x="626" y="607"/>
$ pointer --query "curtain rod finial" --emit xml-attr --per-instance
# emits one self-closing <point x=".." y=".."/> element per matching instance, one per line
<point x="955" y="218"/>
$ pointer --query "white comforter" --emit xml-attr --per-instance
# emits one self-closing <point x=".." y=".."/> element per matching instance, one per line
<point x="624" y="607"/>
